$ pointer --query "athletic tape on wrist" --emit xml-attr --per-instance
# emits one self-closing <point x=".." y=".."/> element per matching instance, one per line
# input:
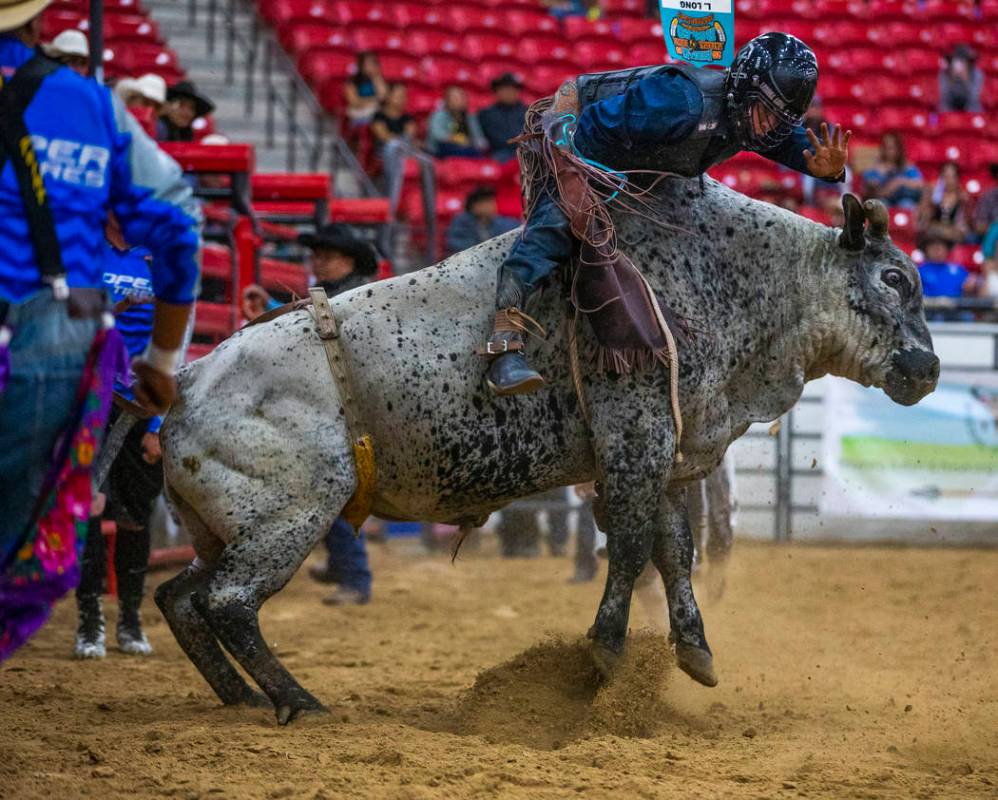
<point x="163" y="360"/>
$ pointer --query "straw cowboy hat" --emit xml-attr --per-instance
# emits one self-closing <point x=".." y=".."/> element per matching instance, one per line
<point x="70" y="42"/>
<point x="151" y="87"/>
<point x="14" y="13"/>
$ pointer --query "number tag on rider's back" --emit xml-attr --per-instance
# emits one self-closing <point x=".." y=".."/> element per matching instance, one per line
<point x="699" y="32"/>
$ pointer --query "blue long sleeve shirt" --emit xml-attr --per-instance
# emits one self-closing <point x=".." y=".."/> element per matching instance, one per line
<point x="94" y="158"/>
<point x="661" y="109"/>
<point x="127" y="277"/>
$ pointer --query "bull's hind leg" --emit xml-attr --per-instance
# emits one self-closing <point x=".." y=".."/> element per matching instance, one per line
<point x="197" y="640"/>
<point x="672" y="554"/>
<point x="251" y="569"/>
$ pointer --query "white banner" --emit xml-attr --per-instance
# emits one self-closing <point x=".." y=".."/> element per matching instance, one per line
<point x="934" y="460"/>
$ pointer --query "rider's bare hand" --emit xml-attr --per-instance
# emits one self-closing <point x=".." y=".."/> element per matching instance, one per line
<point x="154" y="390"/>
<point x="830" y="152"/>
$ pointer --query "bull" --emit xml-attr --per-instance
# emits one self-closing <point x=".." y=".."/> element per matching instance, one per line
<point x="258" y="459"/>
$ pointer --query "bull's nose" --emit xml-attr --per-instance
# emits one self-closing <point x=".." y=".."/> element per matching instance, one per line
<point x="918" y="365"/>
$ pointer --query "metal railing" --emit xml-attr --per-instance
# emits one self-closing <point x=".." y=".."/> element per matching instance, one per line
<point x="309" y="129"/>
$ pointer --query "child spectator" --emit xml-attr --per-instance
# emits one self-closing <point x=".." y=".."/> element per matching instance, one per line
<point x="72" y="49"/>
<point x="503" y="120"/>
<point x="366" y="90"/>
<point x="453" y="129"/>
<point x="945" y="209"/>
<point x="391" y="121"/>
<point x="960" y="81"/>
<point x="940" y="277"/>
<point x="184" y="105"/>
<point x="894" y="179"/>
<point x="479" y="221"/>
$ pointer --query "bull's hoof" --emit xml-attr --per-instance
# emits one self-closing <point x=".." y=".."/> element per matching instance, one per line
<point x="697" y="663"/>
<point x="604" y="658"/>
<point x="298" y="708"/>
<point x="255" y="700"/>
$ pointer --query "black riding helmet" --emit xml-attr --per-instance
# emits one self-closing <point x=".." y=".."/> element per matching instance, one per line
<point x="779" y="71"/>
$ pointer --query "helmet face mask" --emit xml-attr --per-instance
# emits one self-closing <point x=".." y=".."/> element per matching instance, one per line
<point x="770" y="86"/>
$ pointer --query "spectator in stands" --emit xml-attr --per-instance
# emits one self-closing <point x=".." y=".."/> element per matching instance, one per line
<point x="453" y="129"/>
<point x="184" y="104"/>
<point x="144" y="98"/>
<point x="986" y="211"/>
<point x="391" y="121"/>
<point x="945" y="209"/>
<point x="72" y="49"/>
<point x="366" y="89"/>
<point x="503" y="120"/>
<point x="479" y="221"/>
<point x="960" y="81"/>
<point x="940" y="276"/>
<point x="894" y="179"/>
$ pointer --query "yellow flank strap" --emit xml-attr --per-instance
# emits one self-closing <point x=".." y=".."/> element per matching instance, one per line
<point x="358" y="507"/>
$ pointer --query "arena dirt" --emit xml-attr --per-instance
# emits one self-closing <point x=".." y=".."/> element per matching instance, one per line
<point x="844" y="673"/>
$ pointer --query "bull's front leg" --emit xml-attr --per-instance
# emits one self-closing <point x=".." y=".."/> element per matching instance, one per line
<point x="672" y="553"/>
<point x="634" y="465"/>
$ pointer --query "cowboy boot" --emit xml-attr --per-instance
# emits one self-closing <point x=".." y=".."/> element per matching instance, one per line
<point x="509" y="373"/>
<point x="131" y="638"/>
<point x="131" y="558"/>
<point x="90" y="633"/>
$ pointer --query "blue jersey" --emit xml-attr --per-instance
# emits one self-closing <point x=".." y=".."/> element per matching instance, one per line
<point x="128" y="281"/>
<point x="942" y="279"/>
<point x="95" y="158"/>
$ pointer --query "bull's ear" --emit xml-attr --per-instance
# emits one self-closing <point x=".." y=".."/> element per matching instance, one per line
<point x="877" y="214"/>
<point x="851" y="237"/>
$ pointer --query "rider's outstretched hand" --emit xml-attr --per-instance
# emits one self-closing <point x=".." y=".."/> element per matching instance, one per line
<point x="830" y="152"/>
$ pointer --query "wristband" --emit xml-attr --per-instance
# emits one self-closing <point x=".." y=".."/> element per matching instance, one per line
<point x="163" y="360"/>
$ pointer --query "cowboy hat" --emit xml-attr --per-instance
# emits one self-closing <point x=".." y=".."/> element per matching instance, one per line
<point x="151" y="87"/>
<point x="71" y="42"/>
<point x="202" y="105"/>
<point x="506" y="79"/>
<point x="340" y="238"/>
<point x="14" y="13"/>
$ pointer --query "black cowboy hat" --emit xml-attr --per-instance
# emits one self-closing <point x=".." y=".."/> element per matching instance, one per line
<point x="202" y="105"/>
<point x="340" y="238"/>
<point x="506" y="79"/>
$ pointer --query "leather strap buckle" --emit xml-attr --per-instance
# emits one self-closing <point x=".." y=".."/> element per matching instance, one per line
<point x="493" y="352"/>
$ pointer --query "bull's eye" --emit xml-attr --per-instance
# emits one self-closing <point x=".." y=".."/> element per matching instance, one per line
<point x="896" y="280"/>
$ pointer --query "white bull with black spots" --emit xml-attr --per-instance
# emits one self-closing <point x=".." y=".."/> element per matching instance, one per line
<point x="258" y="460"/>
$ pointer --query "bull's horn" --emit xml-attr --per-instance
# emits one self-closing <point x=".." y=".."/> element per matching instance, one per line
<point x="851" y="237"/>
<point x="877" y="214"/>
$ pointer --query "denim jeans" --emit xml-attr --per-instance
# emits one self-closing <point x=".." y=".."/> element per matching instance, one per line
<point x="348" y="557"/>
<point x="546" y="242"/>
<point x="48" y="351"/>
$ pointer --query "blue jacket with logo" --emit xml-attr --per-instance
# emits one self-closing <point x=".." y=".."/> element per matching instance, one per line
<point x="95" y="158"/>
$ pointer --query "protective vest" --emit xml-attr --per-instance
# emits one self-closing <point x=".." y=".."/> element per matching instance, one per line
<point x="711" y="142"/>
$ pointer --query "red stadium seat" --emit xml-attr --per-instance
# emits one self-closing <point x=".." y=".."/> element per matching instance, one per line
<point x="623" y="8"/>
<point x="320" y="66"/>
<point x="409" y="14"/>
<point x="130" y="28"/>
<point x="545" y="79"/>
<point x="55" y="21"/>
<point x="581" y="28"/>
<point x="650" y="53"/>
<point x="134" y="58"/>
<point x="489" y="45"/>
<point x="285" y="11"/>
<point x="855" y="61"/>
<point x="431" y="41"/>
<point x="637" y="30"/>
<point x="913" y="61"/>
<point x="368" y="210"/>
<point x="989" y="10"/>
<point x="540" y="49"/>
<point x="349" y="13"/>
<point x="297" y="37"/>
<point x="842" y="33"/>
<point x="906" y="121"/>
<point x="925" y="91"/>
<point x="879" y="10"/>
<point x="472" y="18"/>
<point x="422" y="101"/>
<point x="444" y="70"/>
<point x="520" y="22"/>
<point x="894" y="35"/>
<point x="945" y="35"/>
<point x="962" y="122"/>
<point x="367" y="37"/>
<point x="466" y="173"/>
<point x="399" y="66"/>
<point x="833" y="88"/>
